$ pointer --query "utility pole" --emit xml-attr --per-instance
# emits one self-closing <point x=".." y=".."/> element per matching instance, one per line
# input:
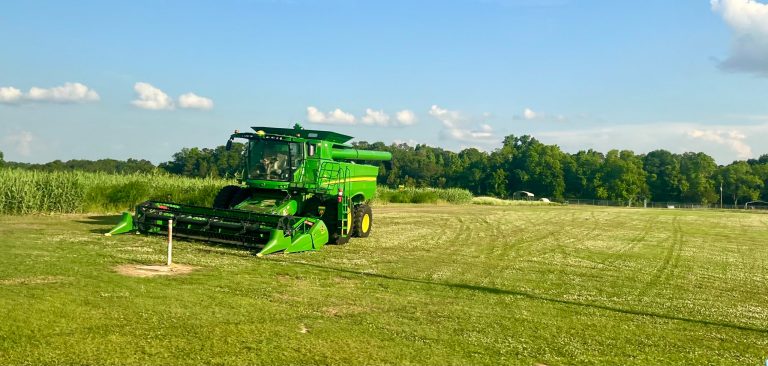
<point x="721" y="195"/>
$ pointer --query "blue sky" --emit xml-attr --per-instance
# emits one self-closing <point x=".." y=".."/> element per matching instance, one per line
<point x="142" y="79"/>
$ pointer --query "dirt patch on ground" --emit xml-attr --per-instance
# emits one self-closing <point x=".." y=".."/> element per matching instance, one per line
<point x="141" y="270"/>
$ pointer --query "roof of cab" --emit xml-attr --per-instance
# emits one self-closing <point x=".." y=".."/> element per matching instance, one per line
<point x="303" y="133"/>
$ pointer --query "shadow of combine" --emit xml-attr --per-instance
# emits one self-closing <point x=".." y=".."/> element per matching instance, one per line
<point x="101" y="220"/>
<point x="537" y="297"/>
<point x="106" y="222"/>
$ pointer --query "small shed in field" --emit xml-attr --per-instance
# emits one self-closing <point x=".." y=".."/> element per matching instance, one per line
<point x="523" y="196"/>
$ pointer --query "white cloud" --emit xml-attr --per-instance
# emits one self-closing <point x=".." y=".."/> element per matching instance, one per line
<point x="454" y="124"/>
<point x="314" y="115"/>
<point x="748" y="20"/>
<point x="379" y="118"/>
<point x="450" y="119"/>
<point x="152" y="98"/>
<point x="405" y="117"/>
<point x="194" y="101"/>
<point x="529" y="114"/>
<point x="67" y="93"/>
<point x="336" y="116"/>
<point x="409" y="142"/>
<point x="21" y="142"/>
<point x="724" y="143"/>
<point x="373" y="117"/>
<point x="10" y="95"/>
<point x="733" y="139"/>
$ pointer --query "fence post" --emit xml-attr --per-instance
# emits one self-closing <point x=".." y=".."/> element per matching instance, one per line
<point x="170" y="242"/>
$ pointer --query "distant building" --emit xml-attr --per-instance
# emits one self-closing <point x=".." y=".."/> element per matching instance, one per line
<point x="523" y="196"/>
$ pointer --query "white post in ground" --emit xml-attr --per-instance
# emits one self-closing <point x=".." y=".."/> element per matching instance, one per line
<point x="170" y="242"/>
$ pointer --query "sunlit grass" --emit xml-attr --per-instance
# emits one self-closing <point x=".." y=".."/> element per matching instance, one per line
<point x="433" y="284"/>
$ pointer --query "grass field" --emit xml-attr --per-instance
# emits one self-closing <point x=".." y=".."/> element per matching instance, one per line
<point x="434" y="284"/>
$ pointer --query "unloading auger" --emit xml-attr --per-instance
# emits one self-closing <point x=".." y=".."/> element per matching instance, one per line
<point x="300" y="190"/>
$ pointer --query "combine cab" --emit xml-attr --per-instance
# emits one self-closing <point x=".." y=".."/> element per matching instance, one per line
<point x="300" y="190"/>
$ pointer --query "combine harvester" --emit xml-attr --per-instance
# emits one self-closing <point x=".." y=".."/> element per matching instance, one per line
<point x="300" y="190"/>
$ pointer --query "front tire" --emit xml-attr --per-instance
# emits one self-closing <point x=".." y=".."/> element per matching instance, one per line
<point x="363" y="221"/>
<point x="225" y="196"/>
<point x="332" y="222"/>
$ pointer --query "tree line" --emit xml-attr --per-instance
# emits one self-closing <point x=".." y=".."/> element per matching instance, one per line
<point x="522" y="163"/>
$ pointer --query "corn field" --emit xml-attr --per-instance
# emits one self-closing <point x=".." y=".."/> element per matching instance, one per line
<point x="422" y="195"/>
<point x="24" y="192"/>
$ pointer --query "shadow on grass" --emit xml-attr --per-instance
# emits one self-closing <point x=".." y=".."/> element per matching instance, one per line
<point x="101" y="220"/>
<point x="533" y="296"/>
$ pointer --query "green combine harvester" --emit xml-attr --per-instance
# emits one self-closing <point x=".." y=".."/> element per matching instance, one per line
<point x="300" y="190"/>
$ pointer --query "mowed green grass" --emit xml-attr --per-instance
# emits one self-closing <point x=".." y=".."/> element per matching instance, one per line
<point x="434" y="284"/>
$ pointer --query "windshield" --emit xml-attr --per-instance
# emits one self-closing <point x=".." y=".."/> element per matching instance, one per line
<point x="273" y="160"/>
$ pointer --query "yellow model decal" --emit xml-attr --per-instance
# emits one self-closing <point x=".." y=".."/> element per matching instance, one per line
<point x="355" y="179"/>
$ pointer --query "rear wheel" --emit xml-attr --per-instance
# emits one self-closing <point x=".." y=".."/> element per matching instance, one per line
<point x="337" y="239"/>
<point x="363" y="221"/>
<point x="225" y="196"/>
<point x="241" y="195"/>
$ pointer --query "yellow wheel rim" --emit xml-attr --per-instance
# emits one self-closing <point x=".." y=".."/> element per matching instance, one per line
<point x="349" y="221"/>
<point x="366" y="225"/>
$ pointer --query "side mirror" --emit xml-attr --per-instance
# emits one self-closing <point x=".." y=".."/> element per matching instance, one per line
<point x="229" y="145"/>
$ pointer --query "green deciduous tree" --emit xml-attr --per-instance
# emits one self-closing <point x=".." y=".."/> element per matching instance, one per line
<point x="696" y="178"/>
<point x="623" y="176"/>
<point x="663" y="175"/>
<point x="217" y="162"/>
<point x="583" y="175"/>
<point x="740" y="183"/>
<point x="532" y="166"/>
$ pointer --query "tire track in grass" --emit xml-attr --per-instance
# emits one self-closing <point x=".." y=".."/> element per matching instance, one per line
<point x="669" y="264"/>
<point x="595" y="232"/>
<point x="742" y="249"/>
<point x="541" y="229"/>
<point x="674" y="265"/>
<point x="500" y="226"/>
<point x="565" y="248"/>
<point x="555" y="247"/>
<point x="485" y="241"/>
<point x="475" y="241"/>
<point x="518" y="240"/>
<point x="452" y="230"/>
<point x="633" y="242"/>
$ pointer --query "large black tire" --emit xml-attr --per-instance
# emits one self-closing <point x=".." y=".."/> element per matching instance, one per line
<point x="337" y="239"/>
<point x="331" y="219"/>
<point x="240" y="196"/>
<point x="225" y="196"/>
<point x="362" y="221"/>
